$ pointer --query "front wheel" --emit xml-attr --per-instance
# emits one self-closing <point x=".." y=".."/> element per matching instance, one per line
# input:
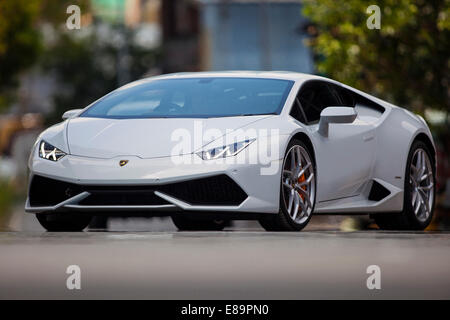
<point x="419" y="196"/>
<point x="64" y="221"/>
<point x="297" y="190"/>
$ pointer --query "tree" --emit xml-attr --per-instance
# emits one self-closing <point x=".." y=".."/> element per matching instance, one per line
<point x="406" y="61"/>
<point x="20" y="38"/>
<point x="19" y="43"/>
<point x="86" y="66"/>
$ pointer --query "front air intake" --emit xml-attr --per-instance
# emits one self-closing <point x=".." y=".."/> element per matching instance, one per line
<point x="215" y="190"/>
<point x="49" y="192"/>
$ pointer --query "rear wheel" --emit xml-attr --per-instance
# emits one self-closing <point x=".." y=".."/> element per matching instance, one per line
<point x="184" y="223"/>
<point x="64" y="221"/>
<point x="419" y="196"/>
<point x="297" y="191"/>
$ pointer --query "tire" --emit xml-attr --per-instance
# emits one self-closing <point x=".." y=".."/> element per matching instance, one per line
<point x="184" y="223"/>
<point x="408" y="219"/>
<point x="288" y="218"/>
<point x="99" y="222"/>
<point x="58" y="222"/>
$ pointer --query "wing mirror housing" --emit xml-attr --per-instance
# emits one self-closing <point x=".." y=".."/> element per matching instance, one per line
<point x="335" y="115"/>
<point x="71" y="114"/>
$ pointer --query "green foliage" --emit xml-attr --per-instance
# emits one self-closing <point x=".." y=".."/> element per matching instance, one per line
<point x="20" y="38"/>
<point x="86" y="68"/>
<point x="19" y="43"/>
<point x="407" y="61"/>
<point x="82" y="79"/>
<point x="6" y="197"/>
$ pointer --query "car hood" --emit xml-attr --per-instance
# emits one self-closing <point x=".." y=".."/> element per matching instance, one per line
<point x="145" y="138"/>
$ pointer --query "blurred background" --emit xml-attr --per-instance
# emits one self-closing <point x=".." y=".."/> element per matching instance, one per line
<point x="47" y="68"/>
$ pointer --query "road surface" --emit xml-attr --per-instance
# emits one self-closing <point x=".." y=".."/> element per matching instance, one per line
<point x="242" y="263"/>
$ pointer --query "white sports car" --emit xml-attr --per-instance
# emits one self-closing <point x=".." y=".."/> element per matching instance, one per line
<point x="206" y="148"/>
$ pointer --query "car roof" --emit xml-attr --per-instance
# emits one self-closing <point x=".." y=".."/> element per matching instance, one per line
<point x="282" y="75"/>
<point x="285" y="75"/>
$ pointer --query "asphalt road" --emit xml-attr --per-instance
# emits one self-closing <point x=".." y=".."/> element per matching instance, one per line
<point x="242" y="263"/>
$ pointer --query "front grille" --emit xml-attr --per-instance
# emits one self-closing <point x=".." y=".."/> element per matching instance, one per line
<point x="122" y="197"/>
<point x="216" y="190"/>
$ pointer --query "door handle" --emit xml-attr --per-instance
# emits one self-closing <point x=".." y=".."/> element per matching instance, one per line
<point x="368" y="137"/>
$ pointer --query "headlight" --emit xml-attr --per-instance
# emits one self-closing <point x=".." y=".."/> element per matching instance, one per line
<point x="225" y="151"/>
<point x="49" y="152"/>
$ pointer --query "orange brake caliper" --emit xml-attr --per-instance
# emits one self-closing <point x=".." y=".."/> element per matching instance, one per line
<point x="300" y="180"/>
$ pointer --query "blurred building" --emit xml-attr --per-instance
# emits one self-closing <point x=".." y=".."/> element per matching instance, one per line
<point x="131" y="13"/>
<point x="194" y="35"/>
<point x="235" y="34"/>
<point x="255" y="35"/>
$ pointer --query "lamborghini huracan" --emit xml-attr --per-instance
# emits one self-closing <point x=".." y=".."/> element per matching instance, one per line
<point x="207" y="148"/>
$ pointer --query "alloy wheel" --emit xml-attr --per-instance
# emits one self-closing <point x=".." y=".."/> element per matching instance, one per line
<point x="298" y="184"/>
<point x="421" y="180"/>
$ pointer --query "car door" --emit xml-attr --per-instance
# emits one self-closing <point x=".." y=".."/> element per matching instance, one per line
<point x="345" y="157"/>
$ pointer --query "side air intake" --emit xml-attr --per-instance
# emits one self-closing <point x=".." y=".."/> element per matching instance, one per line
<point x="378" y="192"/>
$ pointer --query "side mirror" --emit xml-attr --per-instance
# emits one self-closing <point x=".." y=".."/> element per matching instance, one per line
<point x="71" y="113"/>
<point x="335" y="115"/>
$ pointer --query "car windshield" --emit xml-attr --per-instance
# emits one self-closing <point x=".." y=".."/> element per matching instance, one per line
<point x="194" y="98"/>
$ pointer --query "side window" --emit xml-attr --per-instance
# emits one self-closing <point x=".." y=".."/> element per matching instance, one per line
<point x="346" y="96"/>
<point x="297" y="112"/>
<point x="314" y="96"/>
<point x="352" y="99"/>
<point x="361" y="101"/>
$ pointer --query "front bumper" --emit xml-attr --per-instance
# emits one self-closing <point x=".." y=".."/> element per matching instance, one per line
<point x="223" y="186"/>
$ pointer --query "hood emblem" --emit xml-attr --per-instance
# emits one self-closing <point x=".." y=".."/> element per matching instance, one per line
<point x="123" y="162"/>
